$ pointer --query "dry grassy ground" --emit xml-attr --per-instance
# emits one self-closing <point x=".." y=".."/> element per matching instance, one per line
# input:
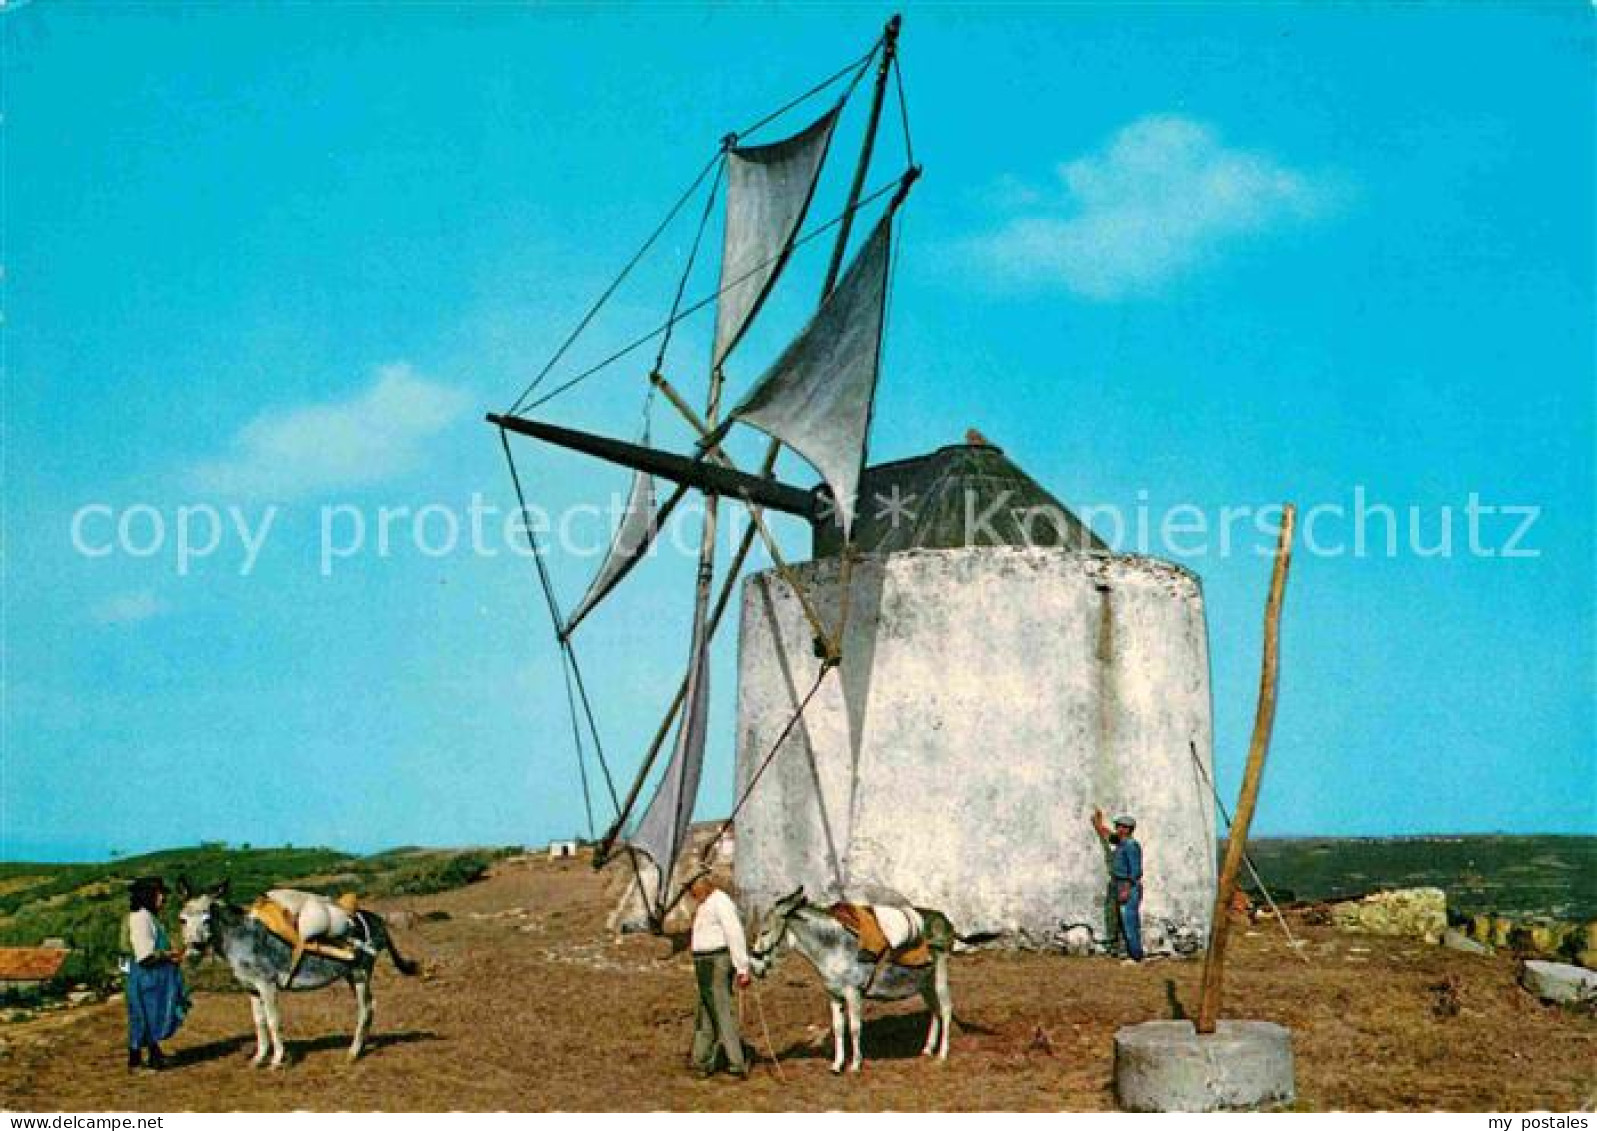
<point x="527" y="1005"/>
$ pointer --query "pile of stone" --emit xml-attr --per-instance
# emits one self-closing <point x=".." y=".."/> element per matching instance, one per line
<point x="1538" y="936"/>
<point x="1416" y="913"/>
<point x="1421" y="913"/>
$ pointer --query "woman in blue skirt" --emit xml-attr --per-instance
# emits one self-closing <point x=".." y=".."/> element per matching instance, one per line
<point x="157" y="998"/>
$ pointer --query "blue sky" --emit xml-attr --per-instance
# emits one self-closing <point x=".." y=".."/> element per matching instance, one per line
<point x="1219" y="256"/>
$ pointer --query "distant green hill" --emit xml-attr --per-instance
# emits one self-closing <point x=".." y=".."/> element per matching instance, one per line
<point x="84" y="904"/>
<point x="1554" y="876"/>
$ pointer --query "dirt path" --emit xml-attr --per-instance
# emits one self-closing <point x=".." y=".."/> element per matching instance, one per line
<point x="526" y="1005"/>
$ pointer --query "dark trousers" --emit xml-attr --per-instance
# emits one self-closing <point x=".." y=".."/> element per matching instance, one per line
<point x="716" y="1038"/>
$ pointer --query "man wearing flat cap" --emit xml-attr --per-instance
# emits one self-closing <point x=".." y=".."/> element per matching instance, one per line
<point x="1125" y="878"/>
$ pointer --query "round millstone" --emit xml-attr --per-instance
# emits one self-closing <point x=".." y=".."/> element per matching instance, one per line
<point x="1168" y="1066"/>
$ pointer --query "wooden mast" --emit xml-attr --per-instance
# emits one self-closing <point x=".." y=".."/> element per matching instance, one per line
<point x="867" y="147"/>
<point x="1253" y="774"/>
<point x="845" y="578"/>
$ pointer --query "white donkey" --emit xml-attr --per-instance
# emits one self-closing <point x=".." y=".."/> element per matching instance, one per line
<point x="261" y="962"/>
<point x="834" y="952"/>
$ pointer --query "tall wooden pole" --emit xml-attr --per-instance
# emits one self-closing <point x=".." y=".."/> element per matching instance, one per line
<point x="878" y="93"/>
<point x="1247" y="801"/>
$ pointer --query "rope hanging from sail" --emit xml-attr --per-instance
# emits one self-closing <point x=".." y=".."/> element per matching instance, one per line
<point x="547" y="586"/>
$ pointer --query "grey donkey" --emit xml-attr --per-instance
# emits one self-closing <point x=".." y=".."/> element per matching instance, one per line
<point x="834" y="952"/>
<point x="261" y="962"/>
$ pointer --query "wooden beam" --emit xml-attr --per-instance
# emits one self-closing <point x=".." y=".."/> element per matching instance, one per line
<point x="867" y="146"/>
<point x="710" y="448"/>
<point x="1252" y="775"/>
<point x="711" y="478"/>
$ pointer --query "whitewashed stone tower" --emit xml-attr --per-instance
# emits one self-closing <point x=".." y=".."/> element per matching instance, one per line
<point x="1003" y="674"/>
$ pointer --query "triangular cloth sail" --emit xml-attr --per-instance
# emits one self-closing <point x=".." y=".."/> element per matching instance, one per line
<point x="632" y="538"/>
<point x="768" y="191"/>
<point x="663" y="829"/>
<point x="816" y="398"/>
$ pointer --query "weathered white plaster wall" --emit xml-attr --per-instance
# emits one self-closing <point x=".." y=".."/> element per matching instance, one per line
<point x="989" y="699"/>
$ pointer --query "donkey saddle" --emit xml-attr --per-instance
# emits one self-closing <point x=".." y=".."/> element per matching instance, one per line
<point x="895" y="935"/>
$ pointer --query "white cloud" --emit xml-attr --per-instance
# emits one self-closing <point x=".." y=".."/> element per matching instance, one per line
<point x="374" y="436"/>
<point x="128" y="608"/>
<point x="1163" y="197"/>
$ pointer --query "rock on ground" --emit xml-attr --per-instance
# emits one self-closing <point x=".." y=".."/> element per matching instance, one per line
<point x="1559" y="982"/>
<point x="1457" y="940"/>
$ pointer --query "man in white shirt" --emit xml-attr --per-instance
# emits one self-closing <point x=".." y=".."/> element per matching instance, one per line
<point x="720" y="954"/>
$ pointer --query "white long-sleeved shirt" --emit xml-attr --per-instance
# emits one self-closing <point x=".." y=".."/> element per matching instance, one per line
<point x="716" y="926"/>
<point x="141" y="932"/>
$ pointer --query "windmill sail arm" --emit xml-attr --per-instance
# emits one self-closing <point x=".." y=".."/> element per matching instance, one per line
<point x="685" y="470"/>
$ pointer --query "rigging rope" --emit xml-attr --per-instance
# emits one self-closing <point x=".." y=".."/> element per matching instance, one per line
<point x="687" y="269"/>
<point x="798" y="713"/>
<point x="699" y="305"/>
<point x="570" y="667"/>
<point x="859" y="68"/>
<point x="576" y="735"/>
<point x="598" y="304"/>
<point x="568" y="653"/>
<point x="1297" y="947"/>
<point x="554" y="607"/>
<point x="903" y="111"/>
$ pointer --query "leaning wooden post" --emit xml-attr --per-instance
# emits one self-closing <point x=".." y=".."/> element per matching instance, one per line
<point x="1237" y="843"/>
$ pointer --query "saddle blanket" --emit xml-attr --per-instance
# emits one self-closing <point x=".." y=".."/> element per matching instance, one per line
<point x="897" y="932"/>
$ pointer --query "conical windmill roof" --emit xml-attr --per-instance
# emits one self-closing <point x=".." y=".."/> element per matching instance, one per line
<point x="961" y="495"/>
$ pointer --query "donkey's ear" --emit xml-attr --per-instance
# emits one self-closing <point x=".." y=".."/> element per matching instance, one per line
<point x="220" y="890"/>
<point x="184" y="891"/>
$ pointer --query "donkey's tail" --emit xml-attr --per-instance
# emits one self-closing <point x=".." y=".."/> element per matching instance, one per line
<point x="406" y="966"/>
<point x="384" y="940"/>
<point x="976" y="938"/>
<point x="940" y="932"/>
